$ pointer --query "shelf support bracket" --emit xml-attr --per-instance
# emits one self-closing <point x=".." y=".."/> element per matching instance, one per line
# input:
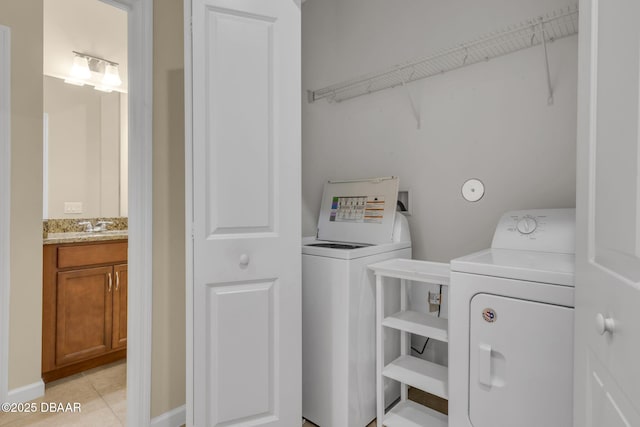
<point x="310" y="96"/>
<point x="546" y="62"/>
<point x="414" y="108"/>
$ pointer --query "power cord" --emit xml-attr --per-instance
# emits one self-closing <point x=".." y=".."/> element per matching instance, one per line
<point x="427" y="341"/>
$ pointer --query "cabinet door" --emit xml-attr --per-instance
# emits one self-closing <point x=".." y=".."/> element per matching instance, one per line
<point x="83" y="314"/>
<point x="120" y="290"/>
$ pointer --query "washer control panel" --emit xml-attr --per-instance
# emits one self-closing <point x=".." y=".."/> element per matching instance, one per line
<point x="544" y="230"/>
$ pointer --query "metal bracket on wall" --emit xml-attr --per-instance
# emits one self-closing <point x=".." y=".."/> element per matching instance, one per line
<point x="414" y="107"/>
<point x="546" y="61"/>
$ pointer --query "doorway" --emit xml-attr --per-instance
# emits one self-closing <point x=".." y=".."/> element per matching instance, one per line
<point x="139" y="24"/>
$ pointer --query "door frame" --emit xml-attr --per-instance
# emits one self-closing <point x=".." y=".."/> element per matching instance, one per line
<point x="188" y="167"/>
<point x="140" y="57"/>
<point x="5" y="205"/>
<point x="140" y="257"/>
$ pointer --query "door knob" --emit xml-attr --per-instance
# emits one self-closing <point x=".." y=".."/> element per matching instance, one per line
<point x="244" y="260"/>
<point x="604" y="324"/>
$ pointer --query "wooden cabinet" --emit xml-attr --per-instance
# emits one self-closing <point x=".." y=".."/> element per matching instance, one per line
<point x="84" y="320"/>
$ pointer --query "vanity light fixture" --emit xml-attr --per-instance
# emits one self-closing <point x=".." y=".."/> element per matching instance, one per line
<point x="85" y="66"/>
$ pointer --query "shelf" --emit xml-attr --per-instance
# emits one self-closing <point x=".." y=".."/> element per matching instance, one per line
<point x="419" y="373"/>
<point x="419" y="323"/>
<point x="413" y="269"/>
<point x="533" y="32"/>
<point x="410" y="414"/>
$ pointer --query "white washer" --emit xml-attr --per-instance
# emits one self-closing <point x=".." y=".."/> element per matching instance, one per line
<point x="511" y="325"/>
<point x="338" y="300"/>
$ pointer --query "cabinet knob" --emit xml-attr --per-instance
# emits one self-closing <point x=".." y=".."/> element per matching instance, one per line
<point x="604" y="324"/>
<point x="244" y="260"/>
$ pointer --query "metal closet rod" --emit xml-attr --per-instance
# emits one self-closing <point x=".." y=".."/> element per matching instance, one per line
<point x="535" y="31"/>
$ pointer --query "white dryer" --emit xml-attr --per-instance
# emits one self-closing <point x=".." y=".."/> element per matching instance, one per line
<point x="357" y="226"/>
<point x="511" y="325"/>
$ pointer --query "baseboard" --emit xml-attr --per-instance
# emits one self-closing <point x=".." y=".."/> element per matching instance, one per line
<point x="174" y="418"/>
<point x="26" y="393"/>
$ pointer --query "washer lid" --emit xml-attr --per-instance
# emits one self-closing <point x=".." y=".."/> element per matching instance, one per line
<point x="358" y="211"/>
<point x="543" y="267"/>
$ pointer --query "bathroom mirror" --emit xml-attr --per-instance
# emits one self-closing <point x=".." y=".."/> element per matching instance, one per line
<point x="85" y="127"/>
<point x="85" y="151"/>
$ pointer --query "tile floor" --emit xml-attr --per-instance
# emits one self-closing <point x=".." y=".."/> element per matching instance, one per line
<point x="101" y="393"/>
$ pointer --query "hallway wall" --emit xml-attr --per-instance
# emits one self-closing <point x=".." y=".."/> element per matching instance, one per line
<point x="25" y="328"/>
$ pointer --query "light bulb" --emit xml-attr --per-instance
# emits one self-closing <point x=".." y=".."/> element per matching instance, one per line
<point x="111" y="76"/>
<point x="80" y="69"/>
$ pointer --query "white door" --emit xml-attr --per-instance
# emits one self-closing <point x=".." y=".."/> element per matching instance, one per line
<point x="246" y="295"/>
<point x="607" y="341"/>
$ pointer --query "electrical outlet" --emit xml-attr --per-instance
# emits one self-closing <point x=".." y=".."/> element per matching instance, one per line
<point x="434" y="300"/>
<point x="73" y="207"/>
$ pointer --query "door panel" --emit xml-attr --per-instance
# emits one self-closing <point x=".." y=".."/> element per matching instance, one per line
<point x="246" y="213"/>
<point x="83" y="311"/>
<point x="607" y="381"/>
<point x="240" y="111"/>
<point x="120" y="292"/>
<point x="616" y="138"/>
<point x="243" y="376"/>
<point x="610" y="406"/>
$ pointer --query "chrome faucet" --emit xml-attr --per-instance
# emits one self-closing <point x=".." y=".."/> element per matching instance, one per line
<point x="101" y="225"/>
<point x="87" y="226"/>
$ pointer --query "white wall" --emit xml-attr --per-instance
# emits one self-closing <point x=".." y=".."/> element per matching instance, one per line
<point x="86" y="26"/>
<point x="488" y="121"/>
<point x="25" y="323"/>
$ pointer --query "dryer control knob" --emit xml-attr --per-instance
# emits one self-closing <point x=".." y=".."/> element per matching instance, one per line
<point x="527" y="225"/>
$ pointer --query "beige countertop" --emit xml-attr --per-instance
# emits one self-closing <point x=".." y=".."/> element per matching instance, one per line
<point x="81" y="237"/>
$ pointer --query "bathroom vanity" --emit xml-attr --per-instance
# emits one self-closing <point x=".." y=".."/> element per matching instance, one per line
<point x="84" y="321"/>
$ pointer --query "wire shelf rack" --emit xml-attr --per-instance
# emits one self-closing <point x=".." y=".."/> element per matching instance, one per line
<point x="533" y="32"/>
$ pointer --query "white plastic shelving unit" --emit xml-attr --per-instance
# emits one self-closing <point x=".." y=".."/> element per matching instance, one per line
<point x="409" y="370"/>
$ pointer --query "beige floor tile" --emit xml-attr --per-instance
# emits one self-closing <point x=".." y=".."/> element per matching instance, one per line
<point x="99" y="418"/>
<point x="67" y="390"/>
<point x="101" y="393"/>
<point x="109" y="378"/>
<point x="7" y="418"/>
<point x="117" y="401"/>
<point x="79" y="390"/>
